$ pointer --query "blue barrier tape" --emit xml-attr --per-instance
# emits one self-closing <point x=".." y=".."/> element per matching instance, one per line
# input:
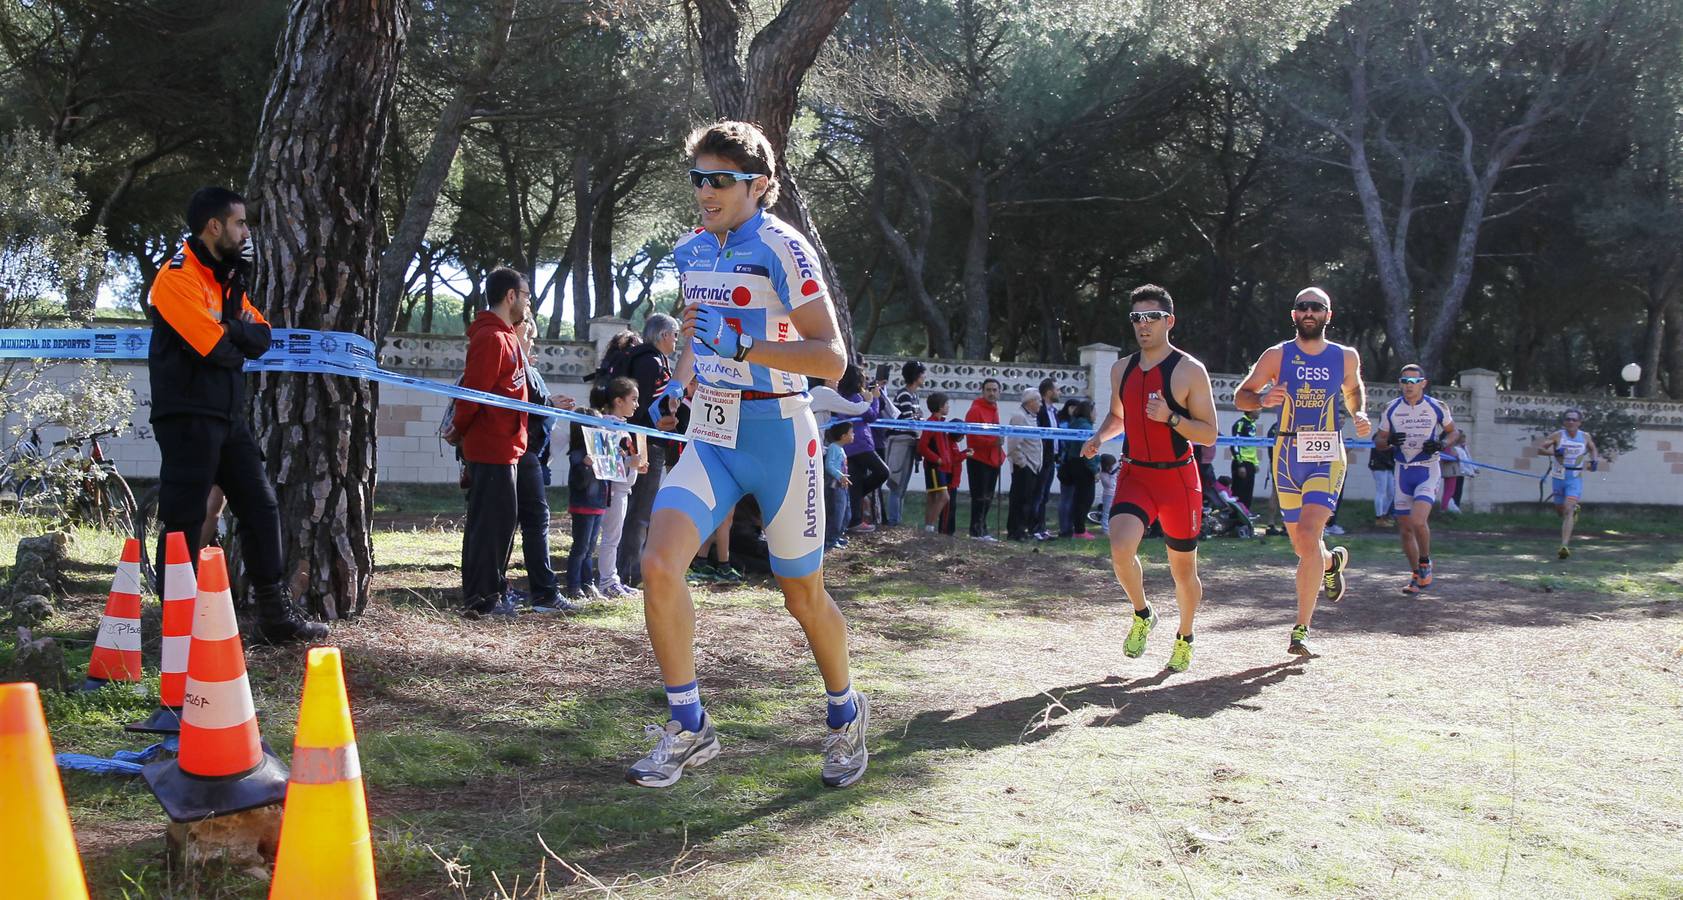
<point x="290" y="350"/>
<point x="951" y="426"/>
<point x="123" y="762"/>
<point x="340" y="353"/>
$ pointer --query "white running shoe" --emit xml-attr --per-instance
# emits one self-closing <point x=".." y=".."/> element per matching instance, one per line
<point x="675" y="750"/>
<point x="845" y="754"/>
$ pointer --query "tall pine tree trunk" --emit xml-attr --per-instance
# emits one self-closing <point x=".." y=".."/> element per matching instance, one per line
<point x="315" y="191"/>
<point x="767" y="93"/>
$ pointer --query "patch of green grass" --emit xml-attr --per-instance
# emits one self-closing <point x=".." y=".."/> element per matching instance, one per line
<point x="92" y="722"/>
<point x="1621" y="519"/>
<point x="436" y="760"/>
<point x="137" y="873"/>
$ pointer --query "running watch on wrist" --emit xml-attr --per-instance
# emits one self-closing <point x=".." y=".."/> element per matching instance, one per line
<point x="743" y="345"/>
<point x="1174" y="420"/>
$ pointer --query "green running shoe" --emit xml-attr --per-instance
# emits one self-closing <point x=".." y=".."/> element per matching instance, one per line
<point x="1333" y="580"/>
<point x="701" y="572"/>
<point x="1299" y="645"/>
<point x="1135" y="645"/>
<point x="1564" y="553"/>
<point x="1181" y="659"/>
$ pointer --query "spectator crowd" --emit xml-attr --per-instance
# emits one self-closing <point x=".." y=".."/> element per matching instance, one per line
<point x="868" y="469"/>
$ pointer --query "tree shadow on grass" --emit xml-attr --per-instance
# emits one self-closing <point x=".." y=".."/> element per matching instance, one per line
<point x="1471" y="594"/>
<point x="1124" y="701"/>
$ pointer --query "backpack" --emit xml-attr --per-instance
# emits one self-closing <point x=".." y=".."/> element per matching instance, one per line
<point x="617" y="364"/>
<point x="448" y="420"/>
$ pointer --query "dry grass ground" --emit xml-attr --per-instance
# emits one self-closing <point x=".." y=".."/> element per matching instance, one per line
<point x="1514" y="734"/>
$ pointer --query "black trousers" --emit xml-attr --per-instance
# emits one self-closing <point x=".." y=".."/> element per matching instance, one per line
<point x="198" y="452"/>
<point x="638" y="508"/>
<point x="868" y="472"/>
<point x="488" y="533"/>
<point x="1025" y="488"/>
<point x="984" y="483"/>
<point x="1043" y="493"/>
<point x="534" y="529"/>
<point x="1244" y="481"/>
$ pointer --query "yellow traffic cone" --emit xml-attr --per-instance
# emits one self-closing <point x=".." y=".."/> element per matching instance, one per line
<point x="325" y="848"/>
<point x="37" y="850"/>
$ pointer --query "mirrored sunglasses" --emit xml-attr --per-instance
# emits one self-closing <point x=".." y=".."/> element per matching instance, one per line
<point x="720" y="179"/>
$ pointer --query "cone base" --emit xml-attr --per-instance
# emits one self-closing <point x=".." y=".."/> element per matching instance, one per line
<point x="163" y="720"/>
<point x="190" y="798"/>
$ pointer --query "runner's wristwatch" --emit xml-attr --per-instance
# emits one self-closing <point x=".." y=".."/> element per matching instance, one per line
<point x="744" y="343"/>
<point x="1174" y="420"/>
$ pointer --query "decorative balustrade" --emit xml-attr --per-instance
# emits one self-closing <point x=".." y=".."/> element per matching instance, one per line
<point x="961" y="378"/>
<point x="447" y="354"/>
<point x="1517" y="406"/>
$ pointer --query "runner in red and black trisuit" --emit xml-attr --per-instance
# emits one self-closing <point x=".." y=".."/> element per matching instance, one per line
<point x="1162" y="398"/>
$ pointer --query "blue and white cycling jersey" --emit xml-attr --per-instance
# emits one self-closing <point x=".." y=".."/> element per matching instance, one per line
<point x="760" y="274"/>
<point x="764" y="271"/>
<point x="1413" y="424"/>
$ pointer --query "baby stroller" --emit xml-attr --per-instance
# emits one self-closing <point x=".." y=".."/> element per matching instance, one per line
<point x="1224" y="514"/>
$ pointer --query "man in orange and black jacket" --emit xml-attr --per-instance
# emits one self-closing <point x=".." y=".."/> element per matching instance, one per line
<point x="204" y="328"/>
<point x="492" y="440"/>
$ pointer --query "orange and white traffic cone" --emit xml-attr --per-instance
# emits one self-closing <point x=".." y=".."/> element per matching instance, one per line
<point x="224" y="766"/>
<point x="116" y="654"/>
<point x="37" y="849"/>
<point x="180" y="592"/>
<point x="325" y="847"/>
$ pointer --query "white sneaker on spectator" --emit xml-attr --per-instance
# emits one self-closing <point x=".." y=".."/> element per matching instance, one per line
<point x="1335" y="529"/>
<point x="929" y="528"/>
<point x="986" y="538"/>
<point x="1453" y="507"/>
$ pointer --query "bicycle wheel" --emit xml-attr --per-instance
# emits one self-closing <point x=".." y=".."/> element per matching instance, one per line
<point x="112" y="506"/>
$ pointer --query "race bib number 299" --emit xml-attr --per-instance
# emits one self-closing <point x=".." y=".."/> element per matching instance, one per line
<point x="715" y="416"/>
<point x="1317" y="446"/>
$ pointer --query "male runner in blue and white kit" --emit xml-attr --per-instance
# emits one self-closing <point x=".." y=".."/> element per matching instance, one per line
<point x="1305" y="377"/>
<point x="1568" y="447"/>
<point x="757" y="321"/>
<point x="1418" y="426"/>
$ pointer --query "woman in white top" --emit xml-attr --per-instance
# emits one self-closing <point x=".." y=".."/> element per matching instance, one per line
<point x="826" y="403"/>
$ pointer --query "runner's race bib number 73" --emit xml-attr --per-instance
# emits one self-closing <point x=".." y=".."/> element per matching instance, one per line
<point x="1317" y="446"/>
<point x="715" y="416"/>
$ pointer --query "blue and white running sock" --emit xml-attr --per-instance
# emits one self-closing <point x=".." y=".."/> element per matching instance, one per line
<point x="843" y="709"/>
<point x="685" y="703"/>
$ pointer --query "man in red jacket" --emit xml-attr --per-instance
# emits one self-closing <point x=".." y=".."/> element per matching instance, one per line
<point x="491" y="440"/>
<point x="986" y="458"/>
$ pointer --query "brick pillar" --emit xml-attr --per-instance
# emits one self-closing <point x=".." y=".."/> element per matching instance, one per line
<point x="603" y="329"/>
<point x="1097" y="360"/>
<point x="1482" y="407"/>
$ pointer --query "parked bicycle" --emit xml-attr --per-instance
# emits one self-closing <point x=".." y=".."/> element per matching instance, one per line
<point x="59" y="482"/>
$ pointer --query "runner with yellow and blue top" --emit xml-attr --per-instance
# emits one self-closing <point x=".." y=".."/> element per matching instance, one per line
<point x="1568" y="449"/>
<point x="1305" y="377"/>
<point x="757" y="321"/>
